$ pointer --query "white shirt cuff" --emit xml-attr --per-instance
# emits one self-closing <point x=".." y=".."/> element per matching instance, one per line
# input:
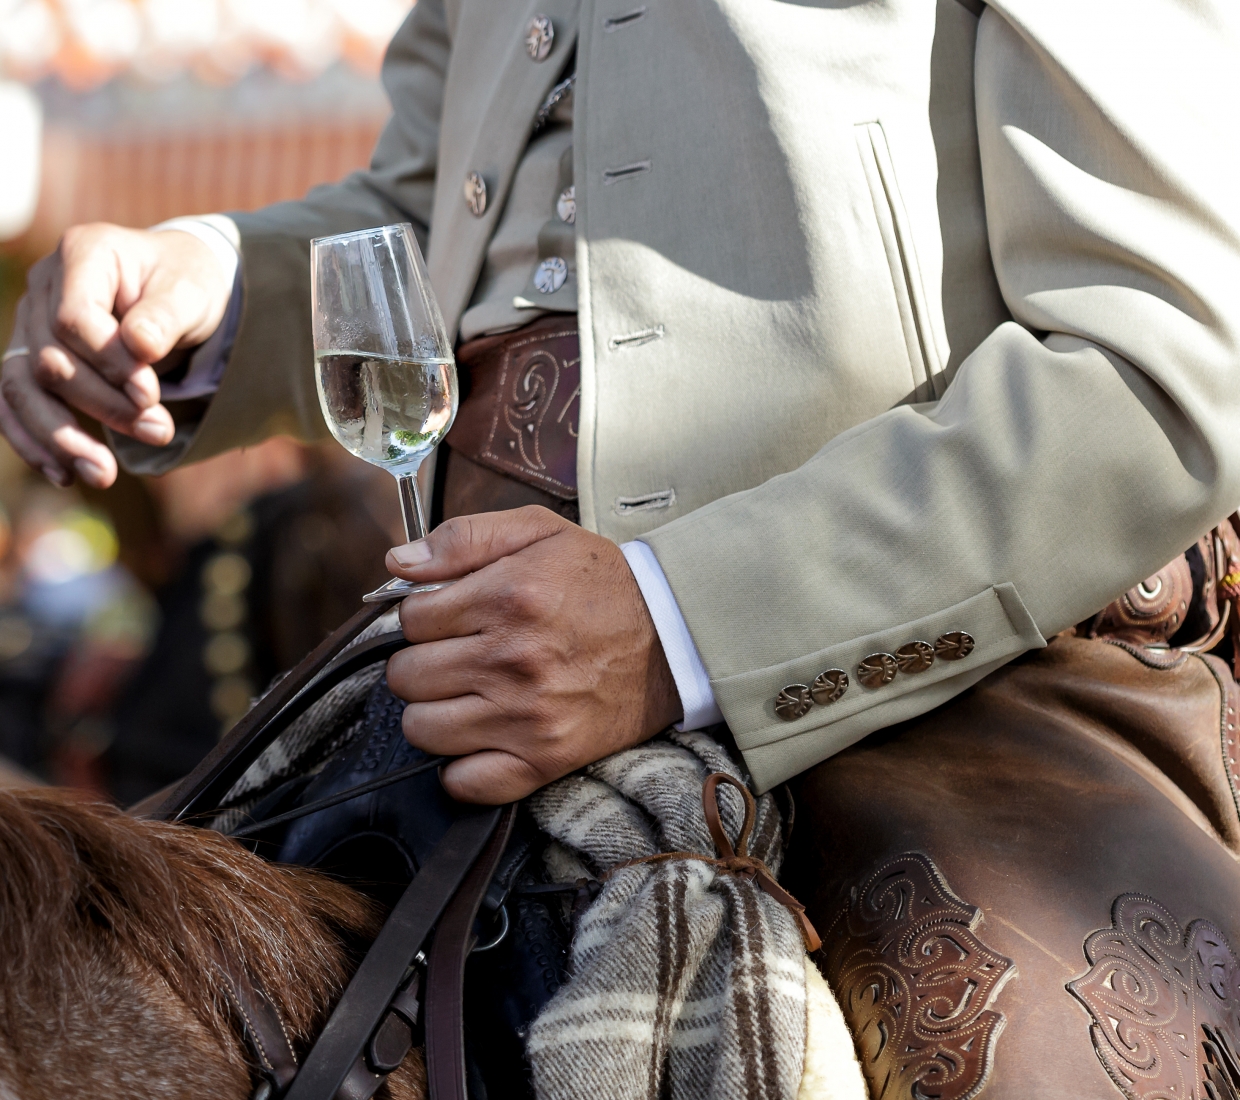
<point x="206" y="366"/>
<point x="217" y="231"/>
<point x="696" y="697"/>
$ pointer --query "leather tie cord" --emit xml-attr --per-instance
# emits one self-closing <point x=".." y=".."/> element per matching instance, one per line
<point x="736" y="861"/>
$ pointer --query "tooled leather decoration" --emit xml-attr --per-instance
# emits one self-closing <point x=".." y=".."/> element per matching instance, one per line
<point x="915" y="983"/>
<point x="1164" y="1002"/>
<point x="532" y="389"/>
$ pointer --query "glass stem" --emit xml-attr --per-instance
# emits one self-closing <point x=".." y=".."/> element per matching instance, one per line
<point x="411" y="507"/>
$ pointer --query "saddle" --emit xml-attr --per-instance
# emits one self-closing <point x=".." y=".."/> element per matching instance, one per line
<point x="466" y="882"/>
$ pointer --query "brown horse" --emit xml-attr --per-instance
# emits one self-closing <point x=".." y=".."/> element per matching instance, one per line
<point x="112" y="929"/>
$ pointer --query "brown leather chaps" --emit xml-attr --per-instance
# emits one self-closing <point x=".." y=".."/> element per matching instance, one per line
<point x="1034" y="891"/>
<point x="1031" y="892"/>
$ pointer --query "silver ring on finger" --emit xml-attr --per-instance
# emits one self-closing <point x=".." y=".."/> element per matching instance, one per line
<point x="14" y="353"/>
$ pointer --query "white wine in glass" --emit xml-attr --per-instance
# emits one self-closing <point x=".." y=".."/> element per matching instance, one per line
<point x="383" y="363"/>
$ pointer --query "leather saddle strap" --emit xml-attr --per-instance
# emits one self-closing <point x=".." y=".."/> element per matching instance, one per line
<point x="263" y="1030"/>
<point x="366" y="1000"/>
<point x="445" y="974"/>
<point x="207" y="784"/>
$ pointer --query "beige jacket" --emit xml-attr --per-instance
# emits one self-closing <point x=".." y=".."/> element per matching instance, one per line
<point x="894" y="322"/>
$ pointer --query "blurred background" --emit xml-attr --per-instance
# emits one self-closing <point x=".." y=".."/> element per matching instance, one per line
<point x="137" y="624"/>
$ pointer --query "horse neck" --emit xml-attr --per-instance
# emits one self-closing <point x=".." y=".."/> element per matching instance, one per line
<point x="113" y="930"/>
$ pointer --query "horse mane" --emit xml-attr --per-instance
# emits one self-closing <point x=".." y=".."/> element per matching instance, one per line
<point x="111" y="929"/>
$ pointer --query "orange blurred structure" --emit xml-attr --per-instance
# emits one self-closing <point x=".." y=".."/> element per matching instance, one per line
<point x="138" y="179"/>
<point x="154" y="108"/>
<point x="118" y="670"/>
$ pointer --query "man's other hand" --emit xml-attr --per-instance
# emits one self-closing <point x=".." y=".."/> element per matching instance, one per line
<point x="541" y="659"/>
<point x="100" y="315"/>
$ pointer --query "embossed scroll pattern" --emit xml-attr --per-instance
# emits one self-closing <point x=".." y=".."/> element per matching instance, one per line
<point x="915" y="983"/>
<point x="1164" y="1002"/>
<point x="534" y="431"/>
<point x="533" y="389"/>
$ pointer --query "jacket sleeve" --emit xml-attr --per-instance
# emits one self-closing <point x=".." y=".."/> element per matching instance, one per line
<point x="268" y="386"/>
<point x="1078" y="448"/>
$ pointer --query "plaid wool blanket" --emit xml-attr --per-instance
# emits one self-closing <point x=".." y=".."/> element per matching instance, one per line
<point x="687" y="982"/>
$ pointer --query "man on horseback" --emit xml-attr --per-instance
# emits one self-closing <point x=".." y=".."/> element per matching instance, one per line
<point x="872" y="346"/>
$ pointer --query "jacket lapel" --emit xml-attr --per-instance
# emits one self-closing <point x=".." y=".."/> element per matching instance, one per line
<point x="492" y="95"/>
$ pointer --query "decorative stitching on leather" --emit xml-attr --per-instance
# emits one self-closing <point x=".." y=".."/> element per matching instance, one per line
<point x="1162" y="659"/>
<point x="530" y="413"/>
<point x="231" y="993"/>
<point x="287" y="1038"/>
<point x="1164" y="1001"/>
<point x="1228" y="720"/>
<point x="915" y="983"/>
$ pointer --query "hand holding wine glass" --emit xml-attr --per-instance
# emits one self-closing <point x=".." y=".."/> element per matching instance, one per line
<point x="543" y="657"/>
<point x="383" y="362"/>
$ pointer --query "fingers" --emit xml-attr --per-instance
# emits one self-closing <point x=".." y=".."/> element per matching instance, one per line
<point x="33" y="453"/>
<point x="490" y="778"/>
<point x="437" y="670"/>
<point x="458" y="611"/>
<point x="450" y="727"/>
<point x="46" y="434"/>
<point x="28" y="450"/>
<point x="79" y="386"/>
<point x="97" y="273"/>
<point x="461" y="727"/>
<point x="468" y="543"/>
<point x="173" y="311"/>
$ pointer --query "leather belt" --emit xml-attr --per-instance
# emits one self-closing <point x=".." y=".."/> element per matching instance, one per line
<point x="519" y="416"/>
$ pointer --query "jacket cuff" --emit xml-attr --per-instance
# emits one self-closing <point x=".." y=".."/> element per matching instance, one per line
<point x="697" y="700"/>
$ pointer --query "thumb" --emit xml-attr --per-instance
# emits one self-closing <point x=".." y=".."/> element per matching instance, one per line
<point x="467" y="543"/>
<point x="155" y="324"/>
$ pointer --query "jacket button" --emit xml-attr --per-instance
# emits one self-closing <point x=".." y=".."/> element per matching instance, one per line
<point x="915" y="657"/>
<point x="876" y="670"/>
<point x="566" y="204"/>
<point x="539" y="37"/>
<point x="793" y="702"/>
<point x="476" y="194"/>
<point x="549" y="276"/>
<point x="828" y="686"/>
<point x="955" y="645"/>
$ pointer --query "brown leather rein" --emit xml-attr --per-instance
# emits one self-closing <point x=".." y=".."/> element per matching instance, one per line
<point x="374" y="1024"/>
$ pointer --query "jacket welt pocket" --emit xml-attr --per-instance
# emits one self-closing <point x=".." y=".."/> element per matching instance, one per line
<point x="906" y="280"/>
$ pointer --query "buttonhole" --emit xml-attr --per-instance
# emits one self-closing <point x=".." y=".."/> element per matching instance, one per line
<point x="626" y="171"/>
<point x="635" y="339"/>
<point x="647" y="502"/>
<point x="618" y="21"/>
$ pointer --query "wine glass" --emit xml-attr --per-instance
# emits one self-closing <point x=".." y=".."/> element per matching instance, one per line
<point x="383" y="362"/>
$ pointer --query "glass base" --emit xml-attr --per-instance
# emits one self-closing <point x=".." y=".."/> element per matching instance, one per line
<point x="397" y="589"/>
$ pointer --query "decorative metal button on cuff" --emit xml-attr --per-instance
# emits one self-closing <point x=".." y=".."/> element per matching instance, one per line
<point x="915" y="657"/>
<point x="876" y="670"/>
<point x="566" y="204"/>
<point x="539" y="37"/>
<point x="476" y="194"/>
<point x="793" y="702"/>
<point x="955" y="645"/>
<point x="828" y="686"/>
